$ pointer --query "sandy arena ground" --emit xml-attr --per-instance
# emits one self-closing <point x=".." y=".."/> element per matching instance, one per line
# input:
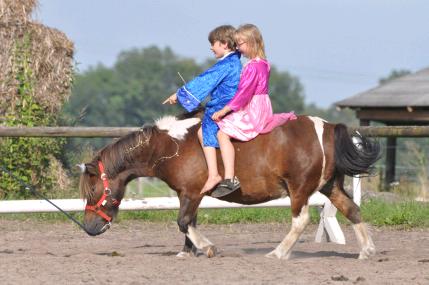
<point x="144" y="253"/>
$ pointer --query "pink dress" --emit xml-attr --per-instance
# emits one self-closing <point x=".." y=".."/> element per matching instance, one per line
<point x="252" y="112"/>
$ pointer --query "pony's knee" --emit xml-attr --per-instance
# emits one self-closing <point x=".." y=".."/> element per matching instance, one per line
<point x="183" y="224"/>
<point x="300" y="221"/>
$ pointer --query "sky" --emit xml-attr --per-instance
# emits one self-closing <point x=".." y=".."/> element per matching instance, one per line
<point x="337" y="48"/>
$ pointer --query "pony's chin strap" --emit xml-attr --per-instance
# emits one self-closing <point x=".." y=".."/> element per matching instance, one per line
<point x="97" y="208"/>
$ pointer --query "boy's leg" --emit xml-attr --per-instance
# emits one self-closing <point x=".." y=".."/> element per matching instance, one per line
<point x="228" y="154"/>
<point x="213" y="174"/>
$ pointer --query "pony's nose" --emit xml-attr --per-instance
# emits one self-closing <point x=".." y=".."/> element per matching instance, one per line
<point x="105" y="227"/>
<point x="98" y="229"/>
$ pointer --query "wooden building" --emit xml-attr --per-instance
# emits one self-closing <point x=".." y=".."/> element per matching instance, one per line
<point x="399" y="102"/>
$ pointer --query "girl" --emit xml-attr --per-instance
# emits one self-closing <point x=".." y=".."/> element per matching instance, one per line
<point x="251" y="112"/>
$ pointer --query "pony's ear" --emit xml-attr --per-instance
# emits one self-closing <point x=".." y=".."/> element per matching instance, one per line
<point x="87" y="168"/>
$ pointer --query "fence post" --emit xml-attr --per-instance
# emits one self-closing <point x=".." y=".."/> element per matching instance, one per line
<point x="329" y="225"/>
<point x="357" y="190"/>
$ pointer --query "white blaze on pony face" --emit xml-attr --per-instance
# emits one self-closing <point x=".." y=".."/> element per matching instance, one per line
<point x="176" y="128"/>
<point x="318" y="125"/>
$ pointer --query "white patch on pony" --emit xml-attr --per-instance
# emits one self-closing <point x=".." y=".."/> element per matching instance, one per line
<point x="176" y="128"/>
<point x="198" y="239"/>
<point x="366" y="244"/>
<point x="318" y="125"/>
<point x="284" y="249"/>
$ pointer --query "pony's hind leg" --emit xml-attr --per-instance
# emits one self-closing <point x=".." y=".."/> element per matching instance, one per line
<point x="351" y="211"/>
<point x="300" y="219"/>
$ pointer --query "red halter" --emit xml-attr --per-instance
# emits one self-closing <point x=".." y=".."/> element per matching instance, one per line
<point x="97" y="208"/>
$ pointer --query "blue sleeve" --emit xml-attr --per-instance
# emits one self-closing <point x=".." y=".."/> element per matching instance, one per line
<point x="195" y="91"/>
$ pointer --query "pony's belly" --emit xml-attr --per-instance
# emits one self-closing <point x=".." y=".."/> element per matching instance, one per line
<point x="251" y="198"/>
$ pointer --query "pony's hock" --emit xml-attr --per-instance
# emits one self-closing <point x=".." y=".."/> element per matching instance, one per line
<point x="296" y="160"/>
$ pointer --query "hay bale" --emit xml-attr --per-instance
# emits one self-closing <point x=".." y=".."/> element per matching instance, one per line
<point x="51" y="56"/>
<point x="46" y="56"/>
<point x="16" y="11"/>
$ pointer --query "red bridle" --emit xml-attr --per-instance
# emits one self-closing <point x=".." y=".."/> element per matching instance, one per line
<point x="97" y="208"/>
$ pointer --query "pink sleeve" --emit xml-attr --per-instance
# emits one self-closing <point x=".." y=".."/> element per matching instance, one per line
<point x="246" y="88"/>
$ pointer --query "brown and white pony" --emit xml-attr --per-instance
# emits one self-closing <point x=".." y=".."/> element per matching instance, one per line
<point x="296" y="159"/>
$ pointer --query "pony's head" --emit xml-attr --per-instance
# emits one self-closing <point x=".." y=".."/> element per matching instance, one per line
<point x="103" y="196"/>
<point x="103" y="180"/>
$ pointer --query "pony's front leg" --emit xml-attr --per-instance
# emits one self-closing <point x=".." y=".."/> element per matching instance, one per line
<point x="189" y="249"/>
<point x="187" y="225"/>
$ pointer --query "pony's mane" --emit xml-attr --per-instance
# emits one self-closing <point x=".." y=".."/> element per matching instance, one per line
<point x="114" y="157"/>
<point x="117" y="154"/>
<point x="84" y="187"/>
<point x="176" y="128"/>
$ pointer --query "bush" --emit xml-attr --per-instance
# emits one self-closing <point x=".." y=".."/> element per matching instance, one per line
<point x="29" y="159"/>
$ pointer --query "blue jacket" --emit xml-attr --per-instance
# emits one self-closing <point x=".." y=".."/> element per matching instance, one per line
<point x="220" y="82"/>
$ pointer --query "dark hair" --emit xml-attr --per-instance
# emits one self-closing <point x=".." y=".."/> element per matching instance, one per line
<point x="224" y="34"/>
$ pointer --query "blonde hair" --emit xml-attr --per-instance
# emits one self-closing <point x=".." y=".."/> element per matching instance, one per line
<point x="223" y="34"/>
<point x="252" y="36"/>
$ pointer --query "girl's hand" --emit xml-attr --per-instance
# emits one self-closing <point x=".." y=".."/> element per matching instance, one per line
<point x="220" y="114"/>
<point x="171" y="100"/>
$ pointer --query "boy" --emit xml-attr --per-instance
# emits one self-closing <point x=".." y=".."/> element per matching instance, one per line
<point x="220" y="82"/>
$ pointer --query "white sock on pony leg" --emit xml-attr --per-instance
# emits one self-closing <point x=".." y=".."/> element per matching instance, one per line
<point x="299" y="223"/>
<point x="201" y="242"/>
<point x="366" y="244"/>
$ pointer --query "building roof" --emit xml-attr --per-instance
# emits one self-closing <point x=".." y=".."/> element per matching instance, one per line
<point x="408" y="91"/>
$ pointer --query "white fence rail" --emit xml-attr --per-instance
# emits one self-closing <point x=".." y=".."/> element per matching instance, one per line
<point x="328" y="222"/>
<point x="157" y="203"/>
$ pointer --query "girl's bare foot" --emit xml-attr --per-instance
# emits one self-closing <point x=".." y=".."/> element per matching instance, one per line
<point x="211" y="183"/>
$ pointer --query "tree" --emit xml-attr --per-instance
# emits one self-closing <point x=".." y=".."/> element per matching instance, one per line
<point x="286" y="92"/>
<point x="130" y="93"/>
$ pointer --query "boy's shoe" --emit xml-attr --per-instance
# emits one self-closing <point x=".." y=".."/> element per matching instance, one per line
<point x="226" y="187"/>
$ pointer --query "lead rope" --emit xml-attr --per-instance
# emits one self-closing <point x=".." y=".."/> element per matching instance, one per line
<point x="34" y="192"/>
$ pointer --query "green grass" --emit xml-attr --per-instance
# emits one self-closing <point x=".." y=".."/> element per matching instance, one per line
<point x="374" y="212"/>
<point x="407" y="214"/>
<point x="222" y="216"/>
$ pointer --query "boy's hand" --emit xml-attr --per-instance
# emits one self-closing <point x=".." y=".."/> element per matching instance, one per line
<point x="171" y="100"/>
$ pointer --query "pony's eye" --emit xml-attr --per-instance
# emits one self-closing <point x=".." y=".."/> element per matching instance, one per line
<point x="93" y="189"/>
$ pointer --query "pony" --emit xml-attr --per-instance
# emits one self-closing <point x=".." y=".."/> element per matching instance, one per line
<point x="296" y="159"/>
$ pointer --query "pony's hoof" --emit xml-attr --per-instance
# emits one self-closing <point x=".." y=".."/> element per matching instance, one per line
<point x="184" y="254"/>
<point x="272" y="254"/>
<point x="210" y="251"/>
<point x="275" y="254"/>
<point x="367" y="252"/>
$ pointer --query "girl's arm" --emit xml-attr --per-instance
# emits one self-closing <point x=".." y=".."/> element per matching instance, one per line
<point x="246" y="88"/>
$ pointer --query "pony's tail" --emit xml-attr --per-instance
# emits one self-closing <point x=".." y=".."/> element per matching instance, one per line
<point x="354" y="155"/>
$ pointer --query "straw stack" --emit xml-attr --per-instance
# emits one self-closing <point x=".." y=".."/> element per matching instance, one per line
<point x="51" y="56"/>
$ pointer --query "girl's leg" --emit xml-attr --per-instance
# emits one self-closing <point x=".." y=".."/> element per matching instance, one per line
<point x="228" y="154"/>
<point x="213" y="174"/>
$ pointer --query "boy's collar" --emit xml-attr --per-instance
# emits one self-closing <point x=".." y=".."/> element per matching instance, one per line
<point x="226" y="54"/>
